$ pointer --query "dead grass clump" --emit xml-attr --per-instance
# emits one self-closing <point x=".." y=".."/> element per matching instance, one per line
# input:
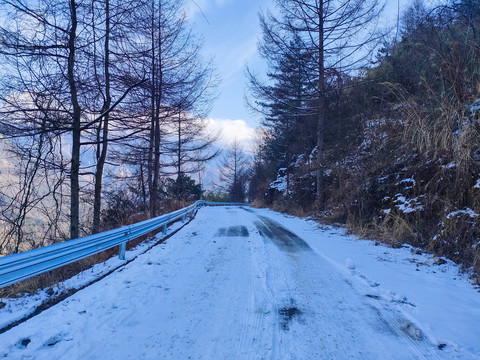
<point x="401" y="227"/>
<point x="459" y="240"/>
<point x="280" y="205"/>
<point x="291" y="206"/>
<point x="258" y="203"/>
<point x="362" y="229"/>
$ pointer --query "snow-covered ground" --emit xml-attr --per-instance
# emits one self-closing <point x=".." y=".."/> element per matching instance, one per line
<point x="18" y="308"/>
<point x="240" y="283"/>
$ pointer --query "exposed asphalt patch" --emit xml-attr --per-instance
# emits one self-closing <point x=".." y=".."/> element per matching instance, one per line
<point x="22" y="344"/>
<point x="233" y="231"/>
<point x="287" y="314"/>
<point x="284" y="239"/>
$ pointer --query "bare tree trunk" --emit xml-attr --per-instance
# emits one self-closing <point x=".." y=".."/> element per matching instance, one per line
<point x="321" y="110"/>
<point x="142" y="185"/>
<point x="150" y="166"/>
<point x="179" y="145"/>
<point x="157" y="101"/>
<point x="29" y="185"/>
<point x="97" y="203"/>
<point x="76" y="128"/>
<point x="156" y="158"/>
<point x="150" y="150"/>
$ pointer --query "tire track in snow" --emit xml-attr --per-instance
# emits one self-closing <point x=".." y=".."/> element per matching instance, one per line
<point x="256" y="314"/>
<point x="398" y="322"/>
<point x="224" y="289"/>
<point x="320" y="316"/>
<point x="279" y="241"/>
<point x="243" y="319"/>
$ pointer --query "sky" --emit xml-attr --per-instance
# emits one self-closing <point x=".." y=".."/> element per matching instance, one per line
<point x="231" y="31"/>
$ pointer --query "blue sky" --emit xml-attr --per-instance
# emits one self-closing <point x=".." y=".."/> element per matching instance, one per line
<point x="231" y="35"/>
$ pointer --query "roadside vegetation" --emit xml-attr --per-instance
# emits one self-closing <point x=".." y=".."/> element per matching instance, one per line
<point x="400" y="145"/>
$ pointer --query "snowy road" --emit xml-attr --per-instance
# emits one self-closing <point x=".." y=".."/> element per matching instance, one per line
<point x="233" y="284"/>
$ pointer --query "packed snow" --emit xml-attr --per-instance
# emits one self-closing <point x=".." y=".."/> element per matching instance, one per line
<point x="17" y="308"/>
<point x="241" y="283"/>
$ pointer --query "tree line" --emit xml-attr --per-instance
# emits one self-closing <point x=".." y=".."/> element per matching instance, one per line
<point x="97" y="98"/>
<point x="371" y="128"/>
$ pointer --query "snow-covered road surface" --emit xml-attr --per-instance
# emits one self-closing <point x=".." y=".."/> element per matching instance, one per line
<point x="240" y="283"/>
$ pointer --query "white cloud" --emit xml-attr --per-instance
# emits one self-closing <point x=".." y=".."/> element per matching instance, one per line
<point x="231" y="130"/>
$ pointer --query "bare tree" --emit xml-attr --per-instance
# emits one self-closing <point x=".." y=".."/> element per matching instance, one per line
<point x="31" y="193"/>
<point x="178" y="87"/>
<point x="190" y="146"/>
<point x="47" y="50"/>
<point x="43" y="41"/>
<point x="103" y="124"/>
<point x="89" y="77"/>
<point x="234" y="172"/>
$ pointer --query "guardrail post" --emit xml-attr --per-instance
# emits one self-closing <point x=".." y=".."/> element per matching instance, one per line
<point x="164" y="232"/>
<point x="183" y="218"/>
<point x="121" y="254"/>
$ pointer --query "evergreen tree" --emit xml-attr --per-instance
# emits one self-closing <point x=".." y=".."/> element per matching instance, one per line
<point x="334" y="34"/>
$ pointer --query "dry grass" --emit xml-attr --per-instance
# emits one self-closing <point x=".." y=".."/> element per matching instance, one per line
<point x="396" y="229"/>
<point x="258" y="204"/>
<point x="459" y="240"/>
<point x="288" y="206"/>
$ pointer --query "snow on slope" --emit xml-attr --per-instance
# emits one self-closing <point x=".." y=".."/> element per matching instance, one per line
<point x="236" y="284"/>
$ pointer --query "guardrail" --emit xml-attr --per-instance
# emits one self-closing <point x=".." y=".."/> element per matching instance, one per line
<point x="17" y="267"/>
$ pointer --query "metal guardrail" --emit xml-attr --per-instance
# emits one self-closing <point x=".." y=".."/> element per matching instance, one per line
<point x="17" y="267"/>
